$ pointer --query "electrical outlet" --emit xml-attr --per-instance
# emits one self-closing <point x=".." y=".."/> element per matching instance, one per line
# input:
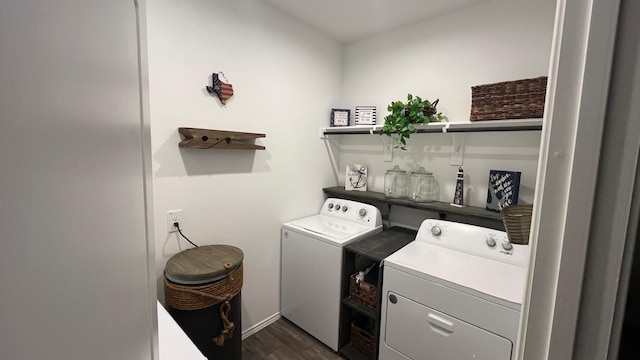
<point x="172" y="217"/>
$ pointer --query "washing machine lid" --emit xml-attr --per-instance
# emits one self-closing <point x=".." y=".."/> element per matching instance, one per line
<point x="474" y="274"/>
<point x="334" y="230"/>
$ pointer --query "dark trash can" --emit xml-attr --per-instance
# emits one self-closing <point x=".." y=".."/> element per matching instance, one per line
<point x="202" y="288"/>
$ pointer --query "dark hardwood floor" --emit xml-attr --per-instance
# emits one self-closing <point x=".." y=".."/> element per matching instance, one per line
<point x="283" y="340"/>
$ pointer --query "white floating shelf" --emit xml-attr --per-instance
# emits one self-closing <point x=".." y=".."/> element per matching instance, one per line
<point x="445" y="127"/>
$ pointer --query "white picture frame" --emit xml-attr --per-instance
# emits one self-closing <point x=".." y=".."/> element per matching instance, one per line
<point x="365" y="115"/>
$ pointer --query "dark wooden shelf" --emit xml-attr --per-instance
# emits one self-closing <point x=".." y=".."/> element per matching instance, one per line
<point x="436" y="206"/>
<point x="368" y="312"/>
<point x="375" y="248"/>
<point x="379" y="246"/>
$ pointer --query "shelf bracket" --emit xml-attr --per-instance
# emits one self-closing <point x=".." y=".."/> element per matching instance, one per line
<point x="387" y="148"/>
<point x="457" y="149"/>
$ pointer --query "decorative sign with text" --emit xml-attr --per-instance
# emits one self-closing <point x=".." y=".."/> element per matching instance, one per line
<point x="365" y="115"/>
<point x="340" y="117"/>
<point x="503" y="189"/>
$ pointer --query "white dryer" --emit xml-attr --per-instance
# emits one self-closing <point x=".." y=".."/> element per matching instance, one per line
<point x="311" y="264"/>
<point x="454" y="293"/>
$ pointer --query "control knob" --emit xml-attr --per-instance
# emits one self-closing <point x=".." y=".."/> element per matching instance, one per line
<point x="362" y="212"/>
<point x="507" y="245"/>
<point x="435" y="230"/>
<point x="491" y="242"/>
<point x="345" y="208"/>
<point x="337" y="207"/>
<point x="330" y="206"/>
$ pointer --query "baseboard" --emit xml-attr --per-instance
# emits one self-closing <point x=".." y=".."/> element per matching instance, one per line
<point x="261" y="325"/>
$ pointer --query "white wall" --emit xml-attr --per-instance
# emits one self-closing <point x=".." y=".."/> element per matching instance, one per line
<point x="286" y="79"/>
<point x="494" y="41"/>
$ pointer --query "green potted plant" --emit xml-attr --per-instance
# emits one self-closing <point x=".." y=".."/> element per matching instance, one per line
<point x="403" y="117"/>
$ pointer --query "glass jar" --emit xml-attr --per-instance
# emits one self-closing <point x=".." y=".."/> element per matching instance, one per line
<point x="422" y="186"/>
<point x="395" y="183"/>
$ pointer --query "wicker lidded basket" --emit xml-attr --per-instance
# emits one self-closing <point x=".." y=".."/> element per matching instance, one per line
<point x="517" y="223"/>
<point x="519" y="99"/>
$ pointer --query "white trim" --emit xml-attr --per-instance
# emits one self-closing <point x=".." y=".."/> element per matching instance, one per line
<point x="147" y="169"/>
<point x="615" y="215"/>
<point x="261" y="325"/>
<point x="567" y="175"/>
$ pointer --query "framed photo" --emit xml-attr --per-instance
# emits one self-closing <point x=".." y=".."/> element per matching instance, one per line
<point x="340" y="117"/>
<point x="365" y="115"/>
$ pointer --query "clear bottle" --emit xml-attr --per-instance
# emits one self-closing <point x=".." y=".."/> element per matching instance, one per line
<point x="423" y="186"/>
<point x="395" y="183"/>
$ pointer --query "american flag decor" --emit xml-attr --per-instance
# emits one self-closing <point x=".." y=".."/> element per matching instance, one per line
<point x="223" y="90"/>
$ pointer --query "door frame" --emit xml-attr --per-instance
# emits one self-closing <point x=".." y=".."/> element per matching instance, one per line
<point x="578" y="147"/>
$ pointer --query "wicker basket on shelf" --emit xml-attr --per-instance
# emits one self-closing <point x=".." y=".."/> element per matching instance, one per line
<point x="363" y="293"/>
<point x="519" y="99"/>
<point x="361" y="339"/>
<point x="517" y="223"/>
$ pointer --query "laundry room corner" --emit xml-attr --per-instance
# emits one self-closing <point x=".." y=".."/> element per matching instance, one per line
<point x="442" y="58"/>
<point x="285" y="76"/>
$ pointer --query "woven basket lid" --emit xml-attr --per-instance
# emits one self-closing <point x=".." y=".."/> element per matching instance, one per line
<point x="203" y="264"/>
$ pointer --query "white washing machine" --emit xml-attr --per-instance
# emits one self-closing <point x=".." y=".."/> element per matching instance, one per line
<point x="311" y="264"/>
<point x="454" y="293"/>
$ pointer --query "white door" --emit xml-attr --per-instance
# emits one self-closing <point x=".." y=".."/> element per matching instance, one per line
<point x="73" y="245"/>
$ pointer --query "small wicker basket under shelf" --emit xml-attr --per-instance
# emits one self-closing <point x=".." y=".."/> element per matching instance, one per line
<point x="361" y="339"/>
<point x="517" y="223"/>
<point x="363" y="293"/>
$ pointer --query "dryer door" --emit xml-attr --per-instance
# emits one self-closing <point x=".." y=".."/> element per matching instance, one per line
<point x="419" y="332"/>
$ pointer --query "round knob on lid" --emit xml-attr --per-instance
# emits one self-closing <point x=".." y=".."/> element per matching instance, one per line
<point x="435" y="230"/>
<point x="491" y="242"/>
<point x="507" y="245"/>
<point x="362" y="212"/>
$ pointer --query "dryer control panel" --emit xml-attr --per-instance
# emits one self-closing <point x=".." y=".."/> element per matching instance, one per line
<point x="474" y="240"/>
<point x="360" y="213"/>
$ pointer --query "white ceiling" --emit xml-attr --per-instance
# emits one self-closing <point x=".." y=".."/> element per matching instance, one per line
<point x="350" y="20"/>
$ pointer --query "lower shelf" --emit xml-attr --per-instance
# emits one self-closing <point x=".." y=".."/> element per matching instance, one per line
<point x="370" y="313"/>
<point x="351" y="353"/>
